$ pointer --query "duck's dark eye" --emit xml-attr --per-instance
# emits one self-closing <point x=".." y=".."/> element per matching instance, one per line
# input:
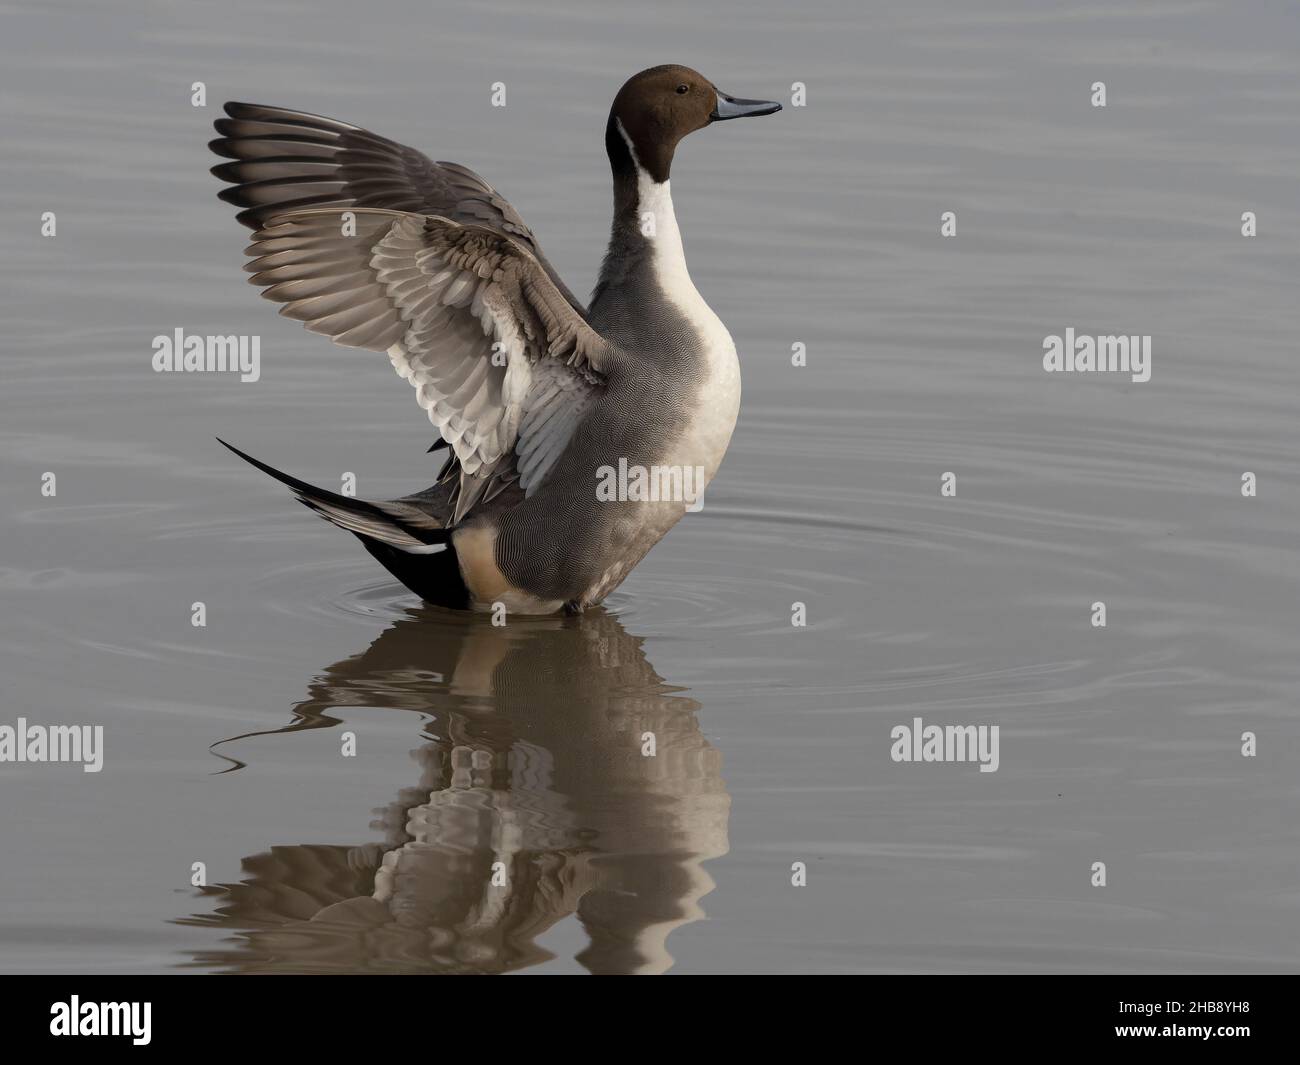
<point x="683" y="89"/>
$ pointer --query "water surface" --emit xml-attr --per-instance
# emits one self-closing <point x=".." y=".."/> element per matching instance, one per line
<point x="484" y="752"/>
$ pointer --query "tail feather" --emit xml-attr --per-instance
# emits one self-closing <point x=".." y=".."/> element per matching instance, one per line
<point x="404" y="539"/>
<point x="384" y="522"/>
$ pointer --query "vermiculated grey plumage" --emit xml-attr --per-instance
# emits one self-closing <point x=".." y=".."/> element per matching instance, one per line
<point x="374" y="245"/>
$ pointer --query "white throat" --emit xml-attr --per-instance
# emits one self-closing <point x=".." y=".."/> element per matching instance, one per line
<point x="705" y="441"/>
<point x="658" y="223"/>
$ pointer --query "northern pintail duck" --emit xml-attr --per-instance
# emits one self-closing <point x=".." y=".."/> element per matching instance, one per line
<point x="538" y="399"/>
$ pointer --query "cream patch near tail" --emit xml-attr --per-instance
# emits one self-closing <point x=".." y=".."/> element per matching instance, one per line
<point x="476" y="550"/>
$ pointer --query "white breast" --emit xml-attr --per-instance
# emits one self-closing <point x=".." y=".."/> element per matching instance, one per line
<point x="706" y="437"/>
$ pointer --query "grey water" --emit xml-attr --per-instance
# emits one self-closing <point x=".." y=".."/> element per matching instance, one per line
<point x="499" y="812"/>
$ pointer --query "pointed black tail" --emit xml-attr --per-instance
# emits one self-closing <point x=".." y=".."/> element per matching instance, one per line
<point x="395" y="533"/>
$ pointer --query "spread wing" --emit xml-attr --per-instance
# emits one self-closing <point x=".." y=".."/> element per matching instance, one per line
<point x="503" y="364"/>
<point x="285" y="160"/>
<point x="373" y="245"/>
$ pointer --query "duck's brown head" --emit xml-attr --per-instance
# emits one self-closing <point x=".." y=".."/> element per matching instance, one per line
<point x="655" y="109"/>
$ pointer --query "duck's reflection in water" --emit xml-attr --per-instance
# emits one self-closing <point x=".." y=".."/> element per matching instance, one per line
<point x="535" y="801"/>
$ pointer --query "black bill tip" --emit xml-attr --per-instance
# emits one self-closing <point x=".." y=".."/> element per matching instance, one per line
<point x="731" y="107"/>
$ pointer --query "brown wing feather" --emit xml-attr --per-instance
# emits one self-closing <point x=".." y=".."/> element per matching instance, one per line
<point x="464" y="313"/>
<point x="287" y="160"/>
